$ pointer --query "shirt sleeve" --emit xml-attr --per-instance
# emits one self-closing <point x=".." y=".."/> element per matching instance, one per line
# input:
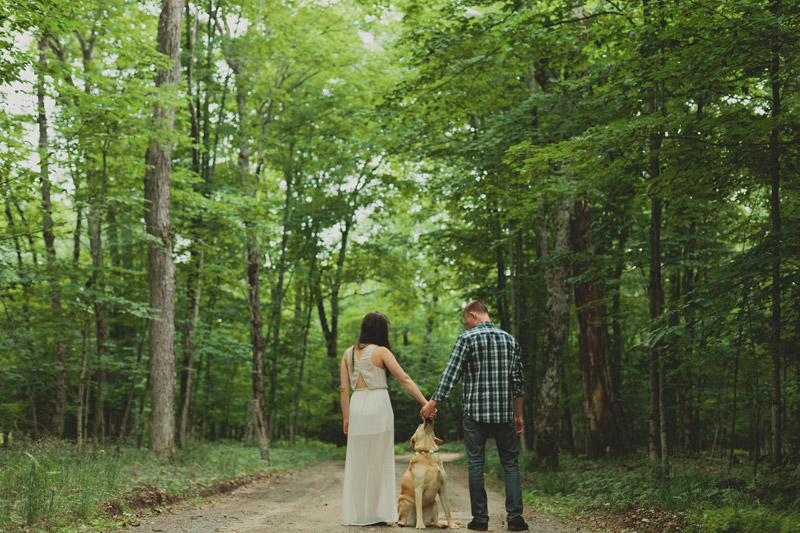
<point x="517" y="378"/>
<point x="452" y="370"/>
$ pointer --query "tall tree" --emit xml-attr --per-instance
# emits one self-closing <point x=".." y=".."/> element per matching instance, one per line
<point x="59" y="413"/>
<point x="161" y="269"/>
<point x="774" y="166"/>
<point x="545" y="439"/>
<point x="605" y="434"/>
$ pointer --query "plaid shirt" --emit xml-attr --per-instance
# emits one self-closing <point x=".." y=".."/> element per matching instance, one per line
<point x="490" y="361"/>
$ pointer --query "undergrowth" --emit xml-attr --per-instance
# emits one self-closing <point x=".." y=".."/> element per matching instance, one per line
<point x="700" y="494"/>
<point x="50" y="486"/>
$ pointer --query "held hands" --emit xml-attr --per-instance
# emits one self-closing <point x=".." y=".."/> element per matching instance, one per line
<point x="429" y="411"/>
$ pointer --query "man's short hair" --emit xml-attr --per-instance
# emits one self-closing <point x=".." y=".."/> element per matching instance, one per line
<point x="477" y="307"/>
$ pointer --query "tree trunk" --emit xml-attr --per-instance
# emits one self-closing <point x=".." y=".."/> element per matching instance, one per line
<point x="331" y="332"/>
<point x="775" y="230"/>
<point x="604" y="430"/>
<point x="161" y="269"/>
<point x="62" y="384"/>
<point x="253" y="274"/>
<point x="738" y="348"/>
<point x="82" y="380"/>
<point x="616" y="337"/>
<point x="303" y="308"/>
<point x="656" y="299"/>
<point x="672" y="352"/>
<point x="277" y="298"/>
<point x="514" y="262"/>
<point x="757" y="395"/>
<point x="502" y="305"/>
<point x="194" y="287"/>
<point x="194" y="280"/>
<point x="687" y="377"/>
<point x="545" y="440"/>
<point x="123" y="426"/>
<point x="97" y="282"/>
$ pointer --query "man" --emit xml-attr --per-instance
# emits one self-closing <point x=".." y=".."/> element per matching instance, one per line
<point x="488" y="358"/>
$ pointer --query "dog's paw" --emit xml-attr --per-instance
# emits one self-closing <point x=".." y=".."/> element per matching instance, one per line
<point x="421" y="526"/>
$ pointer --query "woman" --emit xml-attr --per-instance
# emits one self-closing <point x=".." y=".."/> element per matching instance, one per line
<point x="369" y="482"/>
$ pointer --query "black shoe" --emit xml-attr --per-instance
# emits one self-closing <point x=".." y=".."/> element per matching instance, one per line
<point x="479" y="526"/>
<point x="518" y="524"/>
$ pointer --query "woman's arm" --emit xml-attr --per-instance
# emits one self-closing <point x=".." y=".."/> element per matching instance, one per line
<point x="387" y="357"/>
<point x="344" y="392"/>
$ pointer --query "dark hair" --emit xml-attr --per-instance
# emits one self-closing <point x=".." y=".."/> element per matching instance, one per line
<point x="476" y="307"/>
<point x="374" y="330"/>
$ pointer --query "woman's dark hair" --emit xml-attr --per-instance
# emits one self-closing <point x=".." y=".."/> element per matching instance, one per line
<point x="374" y="330"/>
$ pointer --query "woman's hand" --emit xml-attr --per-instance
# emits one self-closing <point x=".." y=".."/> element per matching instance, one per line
<point x="345" y="425"/>
<point x="429" y="410"/>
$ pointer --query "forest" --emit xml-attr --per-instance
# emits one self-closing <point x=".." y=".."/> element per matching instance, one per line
<point x="201" y="200"/>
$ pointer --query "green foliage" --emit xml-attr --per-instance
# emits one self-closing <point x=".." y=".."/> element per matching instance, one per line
<point x="711" y="498"/>
<point x="45" y="482"/>
<point x="52" y="484"/>
<point x="738" y="520"/>
<point x="436" y="137"/>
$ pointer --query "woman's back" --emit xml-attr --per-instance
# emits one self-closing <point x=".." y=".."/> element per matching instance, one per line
<point x="364" y="373"/>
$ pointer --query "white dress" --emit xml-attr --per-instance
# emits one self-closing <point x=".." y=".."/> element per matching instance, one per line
<point x="369" y="494"/>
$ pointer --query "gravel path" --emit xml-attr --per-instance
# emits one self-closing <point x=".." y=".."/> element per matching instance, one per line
<point x="310" y="501"/>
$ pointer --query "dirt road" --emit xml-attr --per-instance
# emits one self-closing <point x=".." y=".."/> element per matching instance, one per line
<point x="310" y="501"/>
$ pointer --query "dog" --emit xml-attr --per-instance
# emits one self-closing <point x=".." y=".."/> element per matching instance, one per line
<point x="424" y="479"/>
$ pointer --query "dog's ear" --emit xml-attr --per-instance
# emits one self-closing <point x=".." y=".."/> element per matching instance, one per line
<point x="413" y="442"/>
<point x="438" y="441"/>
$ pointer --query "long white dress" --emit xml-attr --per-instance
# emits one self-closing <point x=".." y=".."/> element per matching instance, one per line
<point x="369" y="482"/>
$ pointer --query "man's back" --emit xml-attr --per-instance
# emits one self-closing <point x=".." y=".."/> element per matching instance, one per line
<point x="488" y="359"/>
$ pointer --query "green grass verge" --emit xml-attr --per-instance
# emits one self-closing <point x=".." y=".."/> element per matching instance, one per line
<point x="50" y="487"/>
<point x="701" y="493"/>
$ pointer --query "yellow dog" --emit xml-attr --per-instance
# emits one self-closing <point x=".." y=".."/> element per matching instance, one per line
<point x="424" y="479"/>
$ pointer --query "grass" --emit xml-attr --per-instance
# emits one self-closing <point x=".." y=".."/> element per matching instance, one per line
<point x="700" y="496"/>
<point x="50" y="487"/>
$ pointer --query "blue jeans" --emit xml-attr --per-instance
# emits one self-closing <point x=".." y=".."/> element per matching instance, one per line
<point x="505" y="436"/>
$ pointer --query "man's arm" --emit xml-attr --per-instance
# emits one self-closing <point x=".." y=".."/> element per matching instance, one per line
<point x="518" y="421"/>
<point x="452" y="373"/>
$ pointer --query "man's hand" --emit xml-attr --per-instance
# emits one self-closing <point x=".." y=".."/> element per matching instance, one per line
<point x="519" y="423"/>
<point x="428" y="411"/>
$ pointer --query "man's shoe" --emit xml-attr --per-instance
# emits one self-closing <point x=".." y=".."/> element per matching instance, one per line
<point x="518" y="524"/>
<point x="481" y="526"/>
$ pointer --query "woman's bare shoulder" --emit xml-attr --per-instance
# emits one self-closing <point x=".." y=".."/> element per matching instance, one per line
<point x="381" y="350"/>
